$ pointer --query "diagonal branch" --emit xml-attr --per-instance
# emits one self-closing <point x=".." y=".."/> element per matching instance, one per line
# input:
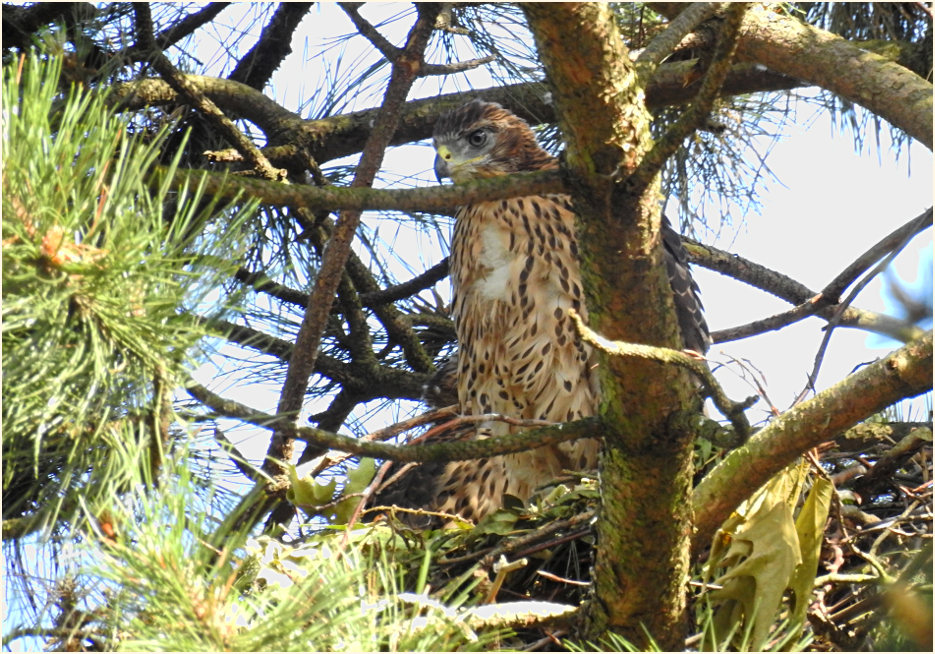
<point x="274" y="45"/>
<point x="186" y="88"/>
<point x="791" y="291"/>
<point x="405" y="289"/>
<point x="904" y="373"/>
<point x="700" y="108"/>
<point x="456" y="66"/>
<point x="903" y="234"/>
<point x="178" y="31"/>
<point x="389" y="51"/>
<point x="892" y="242"/>
<point x="237" y="458"/>
<point x="666" y="41"/>
<point x="263" y="284"/>
<point x="308" y="341"/>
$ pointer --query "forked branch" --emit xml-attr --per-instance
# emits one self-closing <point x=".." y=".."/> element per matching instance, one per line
<point x="733" y="411"/>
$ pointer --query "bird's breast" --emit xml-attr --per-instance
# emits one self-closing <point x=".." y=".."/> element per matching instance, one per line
<point x="486" y="263"/>
<point x="495" y="263"/>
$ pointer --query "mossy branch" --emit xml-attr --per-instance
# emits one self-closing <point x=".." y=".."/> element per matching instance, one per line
<point x="907" y="372"/>
<point x="453" y="451"/>
<point x="439" y="199"/>
<point x="521" y="615"/>
<point x="733" y="411"/>
<point x="898" y="92"/>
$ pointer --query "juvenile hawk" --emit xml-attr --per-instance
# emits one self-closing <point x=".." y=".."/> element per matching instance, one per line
<point x="515" y="275"/>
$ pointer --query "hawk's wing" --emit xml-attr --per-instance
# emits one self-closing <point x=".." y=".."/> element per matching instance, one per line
<point x="688" y="308"/>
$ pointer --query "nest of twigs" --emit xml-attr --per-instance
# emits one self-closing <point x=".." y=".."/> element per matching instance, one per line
<point x="876" y="537"/>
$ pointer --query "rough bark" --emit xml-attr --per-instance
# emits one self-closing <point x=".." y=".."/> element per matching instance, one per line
<point x="793" y="48"/>
<point x="641" y="560"/>
<point x="337" y="136"/>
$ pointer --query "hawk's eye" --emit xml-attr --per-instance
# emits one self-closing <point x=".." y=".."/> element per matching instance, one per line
<point x="477" y="138"/>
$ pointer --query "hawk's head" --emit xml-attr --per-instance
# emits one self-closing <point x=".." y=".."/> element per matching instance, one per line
<point x="482" y="139"/>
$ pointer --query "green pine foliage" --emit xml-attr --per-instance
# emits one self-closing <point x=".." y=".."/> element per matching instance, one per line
<point x="103" y="266"/>
<point x="100" y="262"/>
<point x="157" y="584"/>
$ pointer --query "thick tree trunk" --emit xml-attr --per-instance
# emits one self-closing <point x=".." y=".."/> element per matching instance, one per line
<point x="641" y="561"/>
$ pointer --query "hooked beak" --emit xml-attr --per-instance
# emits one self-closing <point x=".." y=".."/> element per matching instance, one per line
<point x="443" y="154"/>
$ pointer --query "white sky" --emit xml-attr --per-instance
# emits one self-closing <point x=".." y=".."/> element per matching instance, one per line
<point x="831" y="207"/>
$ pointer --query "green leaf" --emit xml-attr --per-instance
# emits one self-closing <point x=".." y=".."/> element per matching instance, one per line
<point x="360" y="477"/>
<point x="306" y="492"/>
<point x="810" y="527"/>
<point x="501" y="523"/>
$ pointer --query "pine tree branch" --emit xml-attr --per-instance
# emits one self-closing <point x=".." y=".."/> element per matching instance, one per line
<point x="455" y="66"/>
<point x="185" y="27"/>
<point x="521" y="615"/>
<point x="338" y="136"/>
<point x="865" y="435"/>
<point x="359" y="341"/>
<point x="368" y="382"/>
<point x="263" y="284"/>
<point x="890" y="246"/>
<point x="904" y="373"/>
<point x="891" y="243"/>
<point x="701" y="106"/>
<point x="536" y="437"/>
<point x="893" y="459"/>
<point x="183" y="85"/>
<point x="664" y="43"/>
<point x="518" y="543"/>
<point x="791" y="291"/>
<point x="791" y="47"/>
<point x="272" y="47"/>
<point x="237" y="458"/>
<point x="398" y="330"/>
<point x="437" y="199"/>
<point x="733" y="411"/>
<point x="308" y="341"/>
<point x="389" y="51"/>
<point x="408" y="288"/>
